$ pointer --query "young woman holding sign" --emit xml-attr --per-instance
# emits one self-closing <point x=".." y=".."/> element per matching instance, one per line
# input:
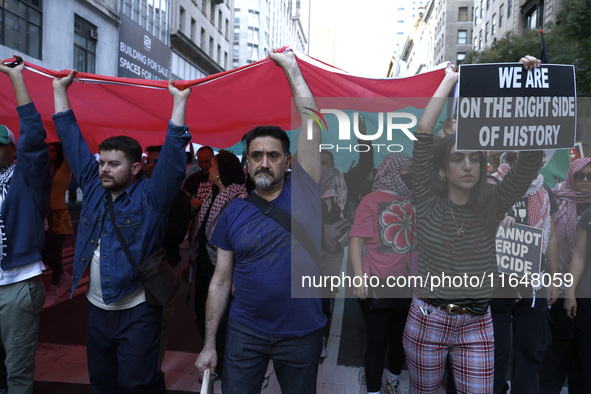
<point x="457" y="215"/>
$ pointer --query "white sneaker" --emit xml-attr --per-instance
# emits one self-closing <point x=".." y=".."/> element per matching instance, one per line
<point x="324" y="352"/>
<point x="65" y="284"/>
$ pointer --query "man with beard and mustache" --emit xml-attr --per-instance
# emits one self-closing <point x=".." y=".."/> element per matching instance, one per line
<point x="123" y="333"/>
<point x="254" y="261"/>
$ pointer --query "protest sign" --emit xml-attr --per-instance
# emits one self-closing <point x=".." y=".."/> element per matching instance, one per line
<point x="506" y="107"/>
<point x="519" y="249"/>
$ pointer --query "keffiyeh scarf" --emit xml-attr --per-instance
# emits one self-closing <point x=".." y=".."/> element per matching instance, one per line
<point x="216" y="205"/>
<point x="538" y="204"/>
<point x="5" y="177"/>
<point x="388" y="174"/>
<point x="565" y="219"/>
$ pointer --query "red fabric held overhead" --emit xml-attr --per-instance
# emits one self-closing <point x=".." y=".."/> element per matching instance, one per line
<point x="221" y="108"/>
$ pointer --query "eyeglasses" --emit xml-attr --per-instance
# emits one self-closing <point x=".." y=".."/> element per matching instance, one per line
<point x="580" y="176"/>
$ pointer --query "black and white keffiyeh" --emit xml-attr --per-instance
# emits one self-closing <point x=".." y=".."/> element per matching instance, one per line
<point x="5" y="177"/>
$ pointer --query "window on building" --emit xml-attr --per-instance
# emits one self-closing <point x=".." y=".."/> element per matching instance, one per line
<point x="219" y="56"/>
<point x="475" y="43"/>
<point x="204" y="7"/>
<point x="193" y="30"/>
<point x="211" y="47"/>
<point x="220" y="20"/>
<point x="462" y="37"/>
<point x="182" y="19"/>
<point x="212" y="12"/>
<point x="460" y="58"/>
<point x="481" y="8"/>
<point x="20" y="26"/>
<point x="203" y="38"/>
<point x="151" y="16"/>
<point x="480" y="40"/>
<point x="486" y="33"/>
<point x="532" y="14"/>
<point x="236" y="33"/>
<point x="463" y="14"/>
<point x="509" y="8"/>
<point x="494" y="24"/>
<point x="85" y="36"/>
<point x="487" y="4"/>
<point x="181" y="68"/>
<point x="235" y="51"/>
<point x="227" y="29"/>
<point x="226" y="65"/>
<point x="501" y="14"/>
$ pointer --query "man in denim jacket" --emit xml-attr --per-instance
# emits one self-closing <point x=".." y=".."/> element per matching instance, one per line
<point x="123" y="332"/>
<point x="24" y="200"/>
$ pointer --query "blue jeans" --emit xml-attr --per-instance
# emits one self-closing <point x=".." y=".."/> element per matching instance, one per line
<point x="247" y="355"/>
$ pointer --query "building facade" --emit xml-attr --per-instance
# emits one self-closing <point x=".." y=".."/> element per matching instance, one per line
<point x="154" y="39"/>
<point x="262" y="25"/>
<point x="495" y="18"/>
<point x="200" y="37"/>
<point x="442" y="32"/>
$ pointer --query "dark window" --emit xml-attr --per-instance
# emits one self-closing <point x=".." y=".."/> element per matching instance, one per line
<point x="85" y="37"/>
<point x="533" y="14"/>
<point x="20" y="25"/>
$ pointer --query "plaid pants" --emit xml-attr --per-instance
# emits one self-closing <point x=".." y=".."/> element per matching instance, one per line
<point x="430" y="337"/>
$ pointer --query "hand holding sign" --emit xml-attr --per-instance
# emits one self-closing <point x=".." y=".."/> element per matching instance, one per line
<point x="516" y="106"/>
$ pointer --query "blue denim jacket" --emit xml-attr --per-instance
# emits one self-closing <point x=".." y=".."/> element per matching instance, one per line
<point x="141" y="209"/>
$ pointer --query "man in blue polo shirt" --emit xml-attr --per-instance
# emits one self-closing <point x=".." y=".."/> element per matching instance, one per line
<point x="123" y="333"/>
<point x="255" y="259"/>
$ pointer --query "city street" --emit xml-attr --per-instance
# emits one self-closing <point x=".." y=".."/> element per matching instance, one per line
<point x="61" y="354"/>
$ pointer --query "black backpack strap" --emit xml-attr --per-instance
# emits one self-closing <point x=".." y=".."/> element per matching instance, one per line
<point x="279" y="215"/>
<point x="130" y="258"/>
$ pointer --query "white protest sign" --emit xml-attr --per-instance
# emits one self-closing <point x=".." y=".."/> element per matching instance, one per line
<point x="519" y="249"/>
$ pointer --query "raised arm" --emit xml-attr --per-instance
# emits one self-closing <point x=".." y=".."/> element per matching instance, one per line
<point x="14" y="70"/>
<point x="308" y="148"/>
<point x="170" y="171"/>
<point x="179" y="108"/>
<point x="76" y="150"/>
<point x="437" y="102"/>
<point x="61" y="102"/>
<point x="31" y="149"/>
<point x="217" y="301"/>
